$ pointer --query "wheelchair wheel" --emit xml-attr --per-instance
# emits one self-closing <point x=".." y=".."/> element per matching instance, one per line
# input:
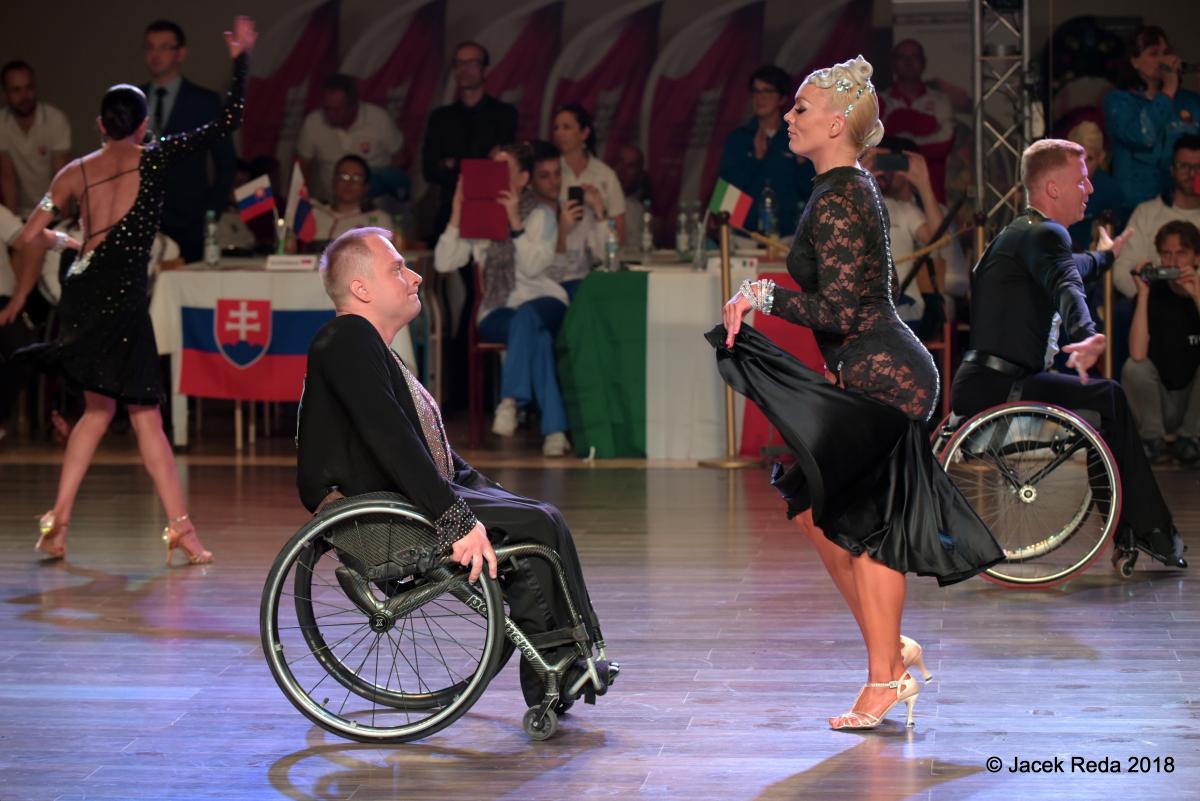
<point x="367" y="635"/>
<point x="1044" y="482"/>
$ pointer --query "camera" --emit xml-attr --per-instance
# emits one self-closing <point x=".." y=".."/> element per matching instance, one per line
<point x="891" y="162"/>
<point x="1155" y="272"/>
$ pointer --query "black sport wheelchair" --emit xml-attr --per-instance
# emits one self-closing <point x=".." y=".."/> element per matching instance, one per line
<point x="1044" y="482"/>
<point x="375" y="635"/>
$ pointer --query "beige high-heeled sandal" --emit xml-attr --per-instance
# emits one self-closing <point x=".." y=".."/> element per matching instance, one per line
<point x="175" y="538"/>
<point x="906" y="690"/>
<point x="51" y="537"/>
<point x="911" y="654"/>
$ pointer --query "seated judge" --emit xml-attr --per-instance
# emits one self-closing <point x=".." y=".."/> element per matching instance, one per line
<point x="366" y="425"/>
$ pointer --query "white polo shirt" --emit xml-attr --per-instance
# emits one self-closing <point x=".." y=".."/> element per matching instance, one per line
<point x="31" y="152"/>
<point x="330" y="225"/>
<point x="599" y="175"/>
<point x="373" y="137"/>
<point x="10" y="226"/>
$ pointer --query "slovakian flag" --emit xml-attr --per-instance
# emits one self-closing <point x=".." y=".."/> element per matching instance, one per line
<point x="604" y="69"/>
<point x="523" y="45"/>
<point x="291" y="61"/>
<point x="727" y="197"/>
<point x="399" y="64"/>
<point x="696" y="96"/>
<point x="255" y="198"/>
<point x="298" y="214"/>
<point x="244" y="349"/>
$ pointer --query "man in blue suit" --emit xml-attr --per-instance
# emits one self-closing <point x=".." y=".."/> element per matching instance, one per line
<point x="178" y="105"/>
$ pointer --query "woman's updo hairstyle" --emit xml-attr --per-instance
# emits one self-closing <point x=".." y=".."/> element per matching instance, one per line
<point x="122" y="110"/>
<point x="852" y="94"/>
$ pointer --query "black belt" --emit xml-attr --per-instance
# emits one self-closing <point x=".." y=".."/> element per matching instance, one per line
<point x="996" y="363"/>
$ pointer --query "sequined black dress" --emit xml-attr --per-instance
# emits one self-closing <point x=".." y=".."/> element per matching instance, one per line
<point x="105" y="341"/>
<point x="863" y="462"/>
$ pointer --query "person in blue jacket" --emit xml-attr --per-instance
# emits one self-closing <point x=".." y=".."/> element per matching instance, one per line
<point x="756" y="156"/>
<point x="1147" y="114"/>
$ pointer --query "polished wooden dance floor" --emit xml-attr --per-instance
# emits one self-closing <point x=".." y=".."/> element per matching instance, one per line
<point x="120" y="679"/>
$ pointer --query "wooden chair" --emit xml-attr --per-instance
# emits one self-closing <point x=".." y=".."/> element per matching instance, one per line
<point x="477" y="354"/>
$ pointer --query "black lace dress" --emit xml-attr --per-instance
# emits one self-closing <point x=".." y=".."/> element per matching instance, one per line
<point x="105" y="341"/>
<point x="863" y="462"/>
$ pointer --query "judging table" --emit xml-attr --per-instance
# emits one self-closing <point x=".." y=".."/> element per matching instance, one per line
<point x="239" y="331"/>
<point x="637" y="375"/>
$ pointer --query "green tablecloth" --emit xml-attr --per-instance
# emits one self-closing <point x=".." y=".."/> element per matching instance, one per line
<point x="602" y="364"/>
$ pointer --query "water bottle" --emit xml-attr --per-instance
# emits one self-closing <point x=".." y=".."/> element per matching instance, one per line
<point x="647" y="226"/>
<point x="212" y="248"/>
<point x="768" y="222"/>
<point x="699" y="257"/>
<point x="611" y="262"/>
<point x="682" y="241"/>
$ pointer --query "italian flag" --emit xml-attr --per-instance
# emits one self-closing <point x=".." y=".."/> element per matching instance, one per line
<point x="727" y="197"/>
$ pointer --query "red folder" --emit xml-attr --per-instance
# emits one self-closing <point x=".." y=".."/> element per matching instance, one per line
<point x="482" y="215"/>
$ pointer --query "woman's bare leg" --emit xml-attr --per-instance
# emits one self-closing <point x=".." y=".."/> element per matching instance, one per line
<point x="158" y="459"/>
<point x="81" y="447"/>
<point x="881" y="598"/>
<point x="838" y="563"/>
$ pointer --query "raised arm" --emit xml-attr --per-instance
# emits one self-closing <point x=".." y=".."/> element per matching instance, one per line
<point x="177" y="146"/>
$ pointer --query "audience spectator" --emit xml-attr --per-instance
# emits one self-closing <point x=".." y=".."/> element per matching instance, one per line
<point x="576" y="139"/>
<point x="35" y="140"/>
<point x="910" y="108"/>
<point x="21" y="312"/>
<point x="756" y="157"/>
<point x="1180" y="202"/>
<point x="915" y="215"/>
<point x="469" y="128"/>
<point x="522" y="305"/>
<point x="350" y="206"/>
<point x="582" y="228"/>
<point x="635" y="183"/>
<point x="176" y="106"/>
<point x="1146" y="114"/>
<point x="345" y="125"/>
<point x="1164" y="349"/>
<point x="1106" y="204"/>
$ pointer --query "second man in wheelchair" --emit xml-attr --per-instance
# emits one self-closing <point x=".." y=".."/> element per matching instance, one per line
<point x="1026" y="283"/>
<point x="367" y="424"/>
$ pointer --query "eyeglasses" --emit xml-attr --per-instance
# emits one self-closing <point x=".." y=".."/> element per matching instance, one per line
<point x="466" y="62"/>
<point x="1186" y="168"/>
<point x="350" y="177"/>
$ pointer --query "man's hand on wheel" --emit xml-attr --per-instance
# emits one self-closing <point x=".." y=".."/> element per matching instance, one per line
<point x="1084" y="354"/>
<point x="472" y="550"/>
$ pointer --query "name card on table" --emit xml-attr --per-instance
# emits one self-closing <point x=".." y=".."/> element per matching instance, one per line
<point x="293" y="263"/>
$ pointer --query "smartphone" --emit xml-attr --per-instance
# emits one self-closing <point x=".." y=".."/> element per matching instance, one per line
<point x="891" y="162"/>
<point x="575" y="193"/>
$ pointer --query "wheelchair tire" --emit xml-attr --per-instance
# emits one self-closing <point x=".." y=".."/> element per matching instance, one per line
<point x="1044" y="482"/>
<point x="342" y="647"/>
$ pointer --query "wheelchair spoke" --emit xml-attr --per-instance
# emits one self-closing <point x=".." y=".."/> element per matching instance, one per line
<point x="472" y="618"/>
<point x="327" y="648"/>
<point x="452" y="678"/>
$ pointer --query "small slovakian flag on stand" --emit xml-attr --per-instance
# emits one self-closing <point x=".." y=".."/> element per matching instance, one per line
<point x="298" y="213"/>
<point x="727" y="197"/>
<point x="255" y="198"/>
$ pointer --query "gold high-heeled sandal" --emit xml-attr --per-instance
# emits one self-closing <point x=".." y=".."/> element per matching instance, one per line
<point x="906" y="690"/>
<point x="911" y="654"/>
<point x="50" y="529"/>
<point x="174" y="539"/>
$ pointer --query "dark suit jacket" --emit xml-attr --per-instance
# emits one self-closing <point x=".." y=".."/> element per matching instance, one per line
<point x="358" y="429"/>
<point x="1026" y="275"/>
<point x="190" y="193"/>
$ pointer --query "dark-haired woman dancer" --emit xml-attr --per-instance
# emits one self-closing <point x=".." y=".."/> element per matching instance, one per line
<point x="106" y="343"/>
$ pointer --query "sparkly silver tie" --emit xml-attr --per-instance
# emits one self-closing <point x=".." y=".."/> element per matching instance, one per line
<point x="431" y="421"/>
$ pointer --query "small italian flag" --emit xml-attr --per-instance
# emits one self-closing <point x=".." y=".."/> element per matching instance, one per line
<point x="727" y="197"/>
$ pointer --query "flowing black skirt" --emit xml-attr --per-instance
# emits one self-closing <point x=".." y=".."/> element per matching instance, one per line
<point x="864" y="468"/>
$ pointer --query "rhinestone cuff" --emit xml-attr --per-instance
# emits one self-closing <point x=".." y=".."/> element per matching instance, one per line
<point x="454" y="524"/>
<point x="762" y="300"/>
<point x="46" y="204"/>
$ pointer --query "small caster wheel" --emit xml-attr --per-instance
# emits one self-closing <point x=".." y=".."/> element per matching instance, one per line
<point x="540" y="727"/>
<point x="1124" y="562"/>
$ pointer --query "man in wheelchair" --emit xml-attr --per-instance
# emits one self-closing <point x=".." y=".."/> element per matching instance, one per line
<point x="366" y="424"/>
<point x="1024" y="286"/>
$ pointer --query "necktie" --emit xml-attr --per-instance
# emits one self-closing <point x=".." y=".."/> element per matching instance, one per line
<point x="432" y="427"/>
<point x="160" y="98"/>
